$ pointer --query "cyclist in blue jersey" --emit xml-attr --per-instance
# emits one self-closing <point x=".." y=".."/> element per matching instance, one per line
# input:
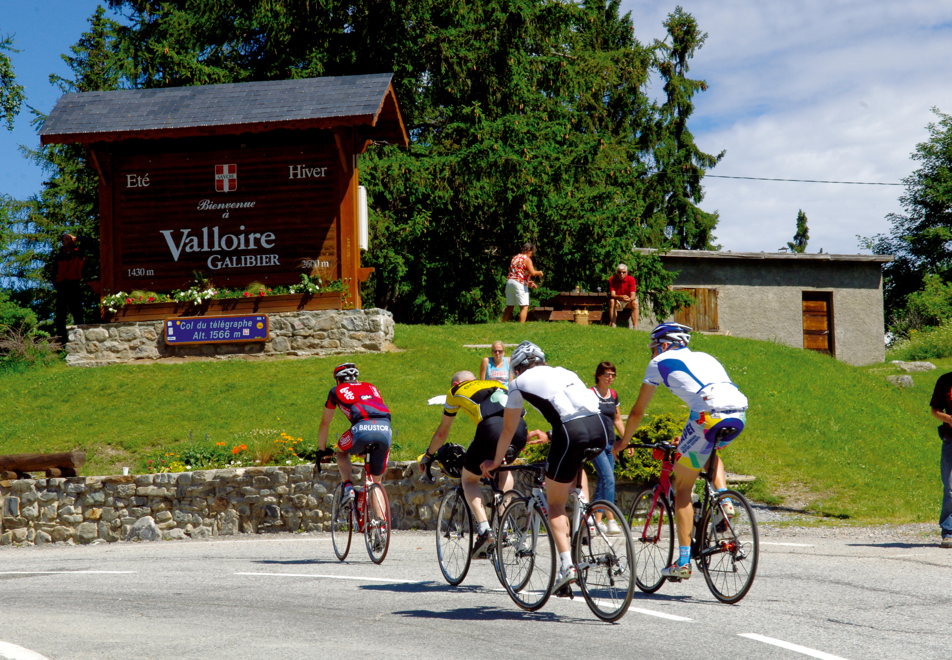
<point x="718" y="413"/>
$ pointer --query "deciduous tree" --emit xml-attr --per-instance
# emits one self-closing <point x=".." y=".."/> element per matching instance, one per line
<point x="921" y="236"/>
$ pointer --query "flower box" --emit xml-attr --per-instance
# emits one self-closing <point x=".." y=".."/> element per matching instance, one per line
<point x="157" y="311"/>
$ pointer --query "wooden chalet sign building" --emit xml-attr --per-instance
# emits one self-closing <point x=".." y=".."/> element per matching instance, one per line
<point x="244" y="182"/>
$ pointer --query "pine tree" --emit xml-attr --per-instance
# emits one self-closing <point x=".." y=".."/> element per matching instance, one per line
<point x="11" y="93"/>
<point x="799" y="243"/>
<point x="672" y="210"/>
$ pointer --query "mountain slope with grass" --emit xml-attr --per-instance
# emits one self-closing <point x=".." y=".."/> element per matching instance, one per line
<point x="836" y="439"/>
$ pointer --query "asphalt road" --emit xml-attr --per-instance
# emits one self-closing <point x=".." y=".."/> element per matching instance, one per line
<point x="817" y="594"/>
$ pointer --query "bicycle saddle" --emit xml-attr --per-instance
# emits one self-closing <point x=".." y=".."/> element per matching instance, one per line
<point x="591" y="453"/>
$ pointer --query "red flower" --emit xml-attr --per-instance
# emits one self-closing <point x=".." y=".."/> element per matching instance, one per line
<point x="151" y="298"/>
<point x="246" y="294"/>
<point x="261" y="293"/>
<point x="128" y="300"/>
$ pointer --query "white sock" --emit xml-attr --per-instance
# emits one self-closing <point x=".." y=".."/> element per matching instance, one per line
<point x="566" y="558"/>
<point x="482" y="527"/>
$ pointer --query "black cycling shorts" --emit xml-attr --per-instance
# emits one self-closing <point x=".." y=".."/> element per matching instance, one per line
<point x="483" y="446"/>
<point x="366" y="432"/>
<point x="569" y="442"/>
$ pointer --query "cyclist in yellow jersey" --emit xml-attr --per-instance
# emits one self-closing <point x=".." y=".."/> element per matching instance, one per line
<point x="484" y="401"/>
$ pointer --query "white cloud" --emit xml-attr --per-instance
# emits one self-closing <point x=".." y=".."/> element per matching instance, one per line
<point x="811" y="90"/>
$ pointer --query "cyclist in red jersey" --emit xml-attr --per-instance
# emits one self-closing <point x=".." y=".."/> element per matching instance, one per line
<point x="362" y="404"/>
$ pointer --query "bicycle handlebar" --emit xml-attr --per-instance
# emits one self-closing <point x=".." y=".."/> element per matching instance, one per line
<point x="322" y="454"/>
<point x="666" y="446"/>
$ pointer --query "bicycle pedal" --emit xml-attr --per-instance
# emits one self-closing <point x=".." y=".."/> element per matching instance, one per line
<point x="565" y="592"/>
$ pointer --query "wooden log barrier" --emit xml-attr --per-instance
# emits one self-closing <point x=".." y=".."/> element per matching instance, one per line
<point x="63" y="464"/>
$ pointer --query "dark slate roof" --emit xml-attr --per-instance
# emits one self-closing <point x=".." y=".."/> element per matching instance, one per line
<point x="323" y="102"/>
<point x="784" y="256"/>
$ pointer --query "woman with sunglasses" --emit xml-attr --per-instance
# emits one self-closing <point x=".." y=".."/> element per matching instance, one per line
<point x="605" y="462"/>
<point x="495" y="367"/>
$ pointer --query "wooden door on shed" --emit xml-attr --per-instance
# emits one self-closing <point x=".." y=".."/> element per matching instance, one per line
<point x="818" y="322"/>
<point x="702" y="315"/>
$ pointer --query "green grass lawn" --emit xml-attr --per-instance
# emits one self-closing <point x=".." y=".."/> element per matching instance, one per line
<point x="838" y="437"/>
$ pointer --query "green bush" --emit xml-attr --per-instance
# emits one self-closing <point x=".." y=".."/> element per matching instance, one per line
<point x="14" y="316"/>
<point x="926" y="344"/>
<point x="640" y="467"/>
<point x="933" y="303"/>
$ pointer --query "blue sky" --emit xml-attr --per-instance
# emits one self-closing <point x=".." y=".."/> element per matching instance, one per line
<point x="808" y="90"/>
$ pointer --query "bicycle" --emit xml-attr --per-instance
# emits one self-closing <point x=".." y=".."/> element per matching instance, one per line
<point x="528" y="554"/>
<point x="371" y="515"/>
<point x="455" y="526"/>
<point x="725" y="547"/>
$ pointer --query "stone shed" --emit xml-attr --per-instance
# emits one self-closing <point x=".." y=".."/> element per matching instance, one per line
<point x="831" y="303"/>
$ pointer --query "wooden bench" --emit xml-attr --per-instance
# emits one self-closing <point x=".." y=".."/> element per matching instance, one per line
<point x="19" y="466"/>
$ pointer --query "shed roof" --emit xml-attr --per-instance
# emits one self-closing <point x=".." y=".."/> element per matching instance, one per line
<point x="230" y="109"/>
<point x="784" y="256"/>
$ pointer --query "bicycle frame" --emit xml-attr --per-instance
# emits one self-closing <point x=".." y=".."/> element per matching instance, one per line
<point x="715" y="533"/>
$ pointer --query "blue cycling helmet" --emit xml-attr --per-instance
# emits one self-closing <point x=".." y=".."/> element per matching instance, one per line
<point x="670" y="333"/>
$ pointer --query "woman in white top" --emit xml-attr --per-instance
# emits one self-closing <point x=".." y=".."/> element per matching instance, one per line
<point x="497" y="366"/>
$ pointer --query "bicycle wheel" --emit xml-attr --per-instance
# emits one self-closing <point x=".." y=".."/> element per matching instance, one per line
<point x="730" y="548"/>
<point x="454" y="536"/>
<point x="495" y="517"/>
<point x="652" y="534"/>
<point x="526" y="554"/>
<point x="377" y="523"/>
<point x="605" y="564"/>
<point x="342" y="523"/>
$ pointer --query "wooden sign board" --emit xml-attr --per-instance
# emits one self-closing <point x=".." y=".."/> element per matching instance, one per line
<point x="265" y="214"/>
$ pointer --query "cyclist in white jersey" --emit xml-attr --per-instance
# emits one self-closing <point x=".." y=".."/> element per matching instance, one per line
<point x="572" y="410"/>
<point x="718" y="415"/>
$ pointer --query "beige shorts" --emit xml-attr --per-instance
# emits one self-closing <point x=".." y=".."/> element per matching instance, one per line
<point x="517" y="293"/>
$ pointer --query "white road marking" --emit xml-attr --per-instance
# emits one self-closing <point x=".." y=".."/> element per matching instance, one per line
<point x="663" y="615"/>
<point x="13" y="652"/>
<point x="793" y="545"/>
<point x="67" y="572"/>
<point x="792" y="647"/>
<point x="332" y="577"/>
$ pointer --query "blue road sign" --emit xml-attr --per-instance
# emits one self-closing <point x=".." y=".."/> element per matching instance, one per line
<point x="216" y="329"/>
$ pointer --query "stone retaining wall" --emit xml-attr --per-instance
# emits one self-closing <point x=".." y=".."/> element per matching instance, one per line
<point x="202" y="504"/>
<point x="292" y="333"/>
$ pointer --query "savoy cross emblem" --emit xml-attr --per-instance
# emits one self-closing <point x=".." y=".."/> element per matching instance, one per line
<point x="226" y="178"/>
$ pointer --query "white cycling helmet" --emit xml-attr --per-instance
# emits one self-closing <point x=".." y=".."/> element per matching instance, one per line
<point x="670" y="333"/>
<point x="346" y="373"/>
<point x="524" y="356"/>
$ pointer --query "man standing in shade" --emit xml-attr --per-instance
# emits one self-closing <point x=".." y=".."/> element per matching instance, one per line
<point x="67" y="277"/>
<point x="942" y="410"/>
